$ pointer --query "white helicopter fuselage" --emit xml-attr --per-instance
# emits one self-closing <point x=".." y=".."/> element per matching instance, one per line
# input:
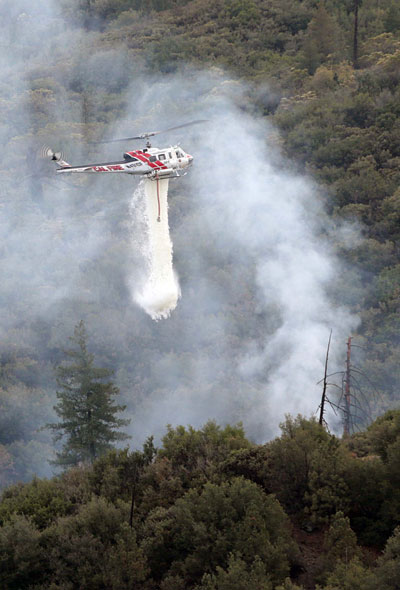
<point x="151" y="162"/>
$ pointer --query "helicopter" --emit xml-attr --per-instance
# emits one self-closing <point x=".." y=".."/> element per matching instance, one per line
<point x="151" y="162"/>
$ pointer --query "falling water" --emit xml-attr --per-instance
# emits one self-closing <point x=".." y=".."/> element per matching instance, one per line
<point x="159" y="291"/>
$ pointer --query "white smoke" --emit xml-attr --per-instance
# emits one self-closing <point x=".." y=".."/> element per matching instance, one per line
<point x="256" y="256"/>
<point x="256" y="206"/>
<point x="159" y="291"/>
<point x="257" y="268"/>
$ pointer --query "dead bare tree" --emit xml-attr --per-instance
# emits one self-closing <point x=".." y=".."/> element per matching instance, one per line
<point x="325" y="384"/>
<point x="353" y="403"/>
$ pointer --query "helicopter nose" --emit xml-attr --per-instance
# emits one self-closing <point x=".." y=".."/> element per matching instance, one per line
<point x="190" y="159"/>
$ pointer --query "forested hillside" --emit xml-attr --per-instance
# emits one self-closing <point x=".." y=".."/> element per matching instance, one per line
<point x="287" y="227"/>
<point x="210" y="510"/>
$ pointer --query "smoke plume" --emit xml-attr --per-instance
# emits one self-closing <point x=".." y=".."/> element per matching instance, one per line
<point x="253" y="247"/>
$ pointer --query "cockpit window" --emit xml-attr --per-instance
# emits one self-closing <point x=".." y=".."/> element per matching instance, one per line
<point x="129" y="158"/>
<point x="152" y="159"/>
<point x="179" y="154"/>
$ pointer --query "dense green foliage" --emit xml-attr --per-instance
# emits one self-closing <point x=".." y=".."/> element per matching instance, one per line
<point x="180" y="517"/>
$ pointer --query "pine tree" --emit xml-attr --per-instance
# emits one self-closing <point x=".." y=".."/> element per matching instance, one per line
<point x="86" y="406"/>
<point x="340" y="543"/>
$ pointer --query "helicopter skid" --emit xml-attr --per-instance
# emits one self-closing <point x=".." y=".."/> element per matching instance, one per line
<point x="158" y="174"/>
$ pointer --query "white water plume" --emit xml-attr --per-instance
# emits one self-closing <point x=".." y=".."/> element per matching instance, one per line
<point x="159" y="290"/>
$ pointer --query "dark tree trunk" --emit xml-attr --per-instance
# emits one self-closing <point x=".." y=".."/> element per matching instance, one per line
<point x="323" y="398"/>
<point x="355" y="39"/>
<point x="347" y="395"/>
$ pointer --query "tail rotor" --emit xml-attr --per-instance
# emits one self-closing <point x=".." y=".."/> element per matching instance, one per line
<point x="47" y="153"/>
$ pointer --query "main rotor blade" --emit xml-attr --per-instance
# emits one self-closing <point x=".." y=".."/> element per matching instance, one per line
<point x="151" y="133"/>
<point x="184" y="125"/>
<point x="143" y="136"/>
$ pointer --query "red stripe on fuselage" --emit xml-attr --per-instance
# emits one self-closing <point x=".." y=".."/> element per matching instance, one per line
<point x="159" y="164"/>
<point x="145" y="158"/>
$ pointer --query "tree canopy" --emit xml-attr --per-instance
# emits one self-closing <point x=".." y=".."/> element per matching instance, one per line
<point x="209" y="509"/>
<point x="85" y="406"/>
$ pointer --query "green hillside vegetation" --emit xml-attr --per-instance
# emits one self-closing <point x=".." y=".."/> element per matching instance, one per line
<point x="209" y="510"/>
<point x="212" y="510"/>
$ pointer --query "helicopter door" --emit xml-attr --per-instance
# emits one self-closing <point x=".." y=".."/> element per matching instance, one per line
<point x="173" y="160"/>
